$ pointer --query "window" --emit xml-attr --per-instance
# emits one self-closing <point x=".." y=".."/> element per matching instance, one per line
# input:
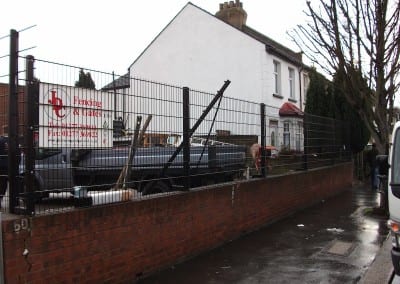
<point x="155" y="140"/>
<point x="277" y="78"/>
<point x="273" y="137"/>
<point x="298" y="135"/>
<point x="286" y="134"/>
<point x="306" y="82"/>
<point x="396" y="159"/>
<point x="291" y="84"/>
<point x="43" y="153"/>
<point x="273" y="132"/>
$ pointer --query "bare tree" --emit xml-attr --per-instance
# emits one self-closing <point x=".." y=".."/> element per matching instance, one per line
<point x="361" y="40"/>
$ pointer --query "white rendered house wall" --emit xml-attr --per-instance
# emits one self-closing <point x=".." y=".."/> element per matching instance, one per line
<point x="200" y="51"/>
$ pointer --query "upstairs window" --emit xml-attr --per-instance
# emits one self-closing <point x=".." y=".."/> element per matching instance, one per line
<point x="291" y="84"/>
<point x="306" y="82"/>
<point x="277" y="78"/>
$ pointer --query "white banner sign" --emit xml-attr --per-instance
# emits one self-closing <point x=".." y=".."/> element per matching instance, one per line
<point x="75" y="117"/>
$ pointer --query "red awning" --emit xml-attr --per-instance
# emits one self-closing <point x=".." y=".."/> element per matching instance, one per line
<point x="289" y="109"/>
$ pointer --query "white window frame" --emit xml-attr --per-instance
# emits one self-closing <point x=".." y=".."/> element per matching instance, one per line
<point x="277" y="77"/>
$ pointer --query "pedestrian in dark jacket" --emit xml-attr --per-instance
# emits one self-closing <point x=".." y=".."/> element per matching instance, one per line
<point x="373" y="166"/>
<point x="3" y="166"/>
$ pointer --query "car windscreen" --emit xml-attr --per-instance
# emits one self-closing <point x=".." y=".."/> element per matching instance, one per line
<point x="42" y="153"/>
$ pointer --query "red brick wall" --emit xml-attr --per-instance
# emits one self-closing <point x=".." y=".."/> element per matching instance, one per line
<point x="118" y="242"/>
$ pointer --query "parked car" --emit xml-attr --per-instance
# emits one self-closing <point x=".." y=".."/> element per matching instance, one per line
<point x="62" y="169"/>
<point x="53" y="169"/>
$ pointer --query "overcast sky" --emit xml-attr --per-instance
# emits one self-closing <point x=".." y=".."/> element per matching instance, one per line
<point x="109" y="35"/>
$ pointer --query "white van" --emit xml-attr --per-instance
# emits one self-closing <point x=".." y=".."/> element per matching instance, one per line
<point x="394" y="196"/>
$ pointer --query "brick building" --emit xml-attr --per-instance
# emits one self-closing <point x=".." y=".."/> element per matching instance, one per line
<point x="4" y="99"/>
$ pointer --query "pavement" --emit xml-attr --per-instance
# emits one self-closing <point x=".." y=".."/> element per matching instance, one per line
<point x="339" y="240"/>
<point x="381" y="269"/>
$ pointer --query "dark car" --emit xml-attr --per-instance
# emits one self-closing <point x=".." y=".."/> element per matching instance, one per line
<point x="53" y="169"/>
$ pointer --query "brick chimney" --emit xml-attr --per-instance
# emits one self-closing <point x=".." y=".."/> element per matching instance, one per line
<point x="232" y="13"/>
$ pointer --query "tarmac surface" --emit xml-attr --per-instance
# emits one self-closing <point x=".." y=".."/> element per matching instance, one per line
<point x="339" y="240"/>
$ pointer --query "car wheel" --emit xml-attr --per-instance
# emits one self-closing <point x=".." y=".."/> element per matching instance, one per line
<point x="38" y="193"/>
<point x="155" y="186"/>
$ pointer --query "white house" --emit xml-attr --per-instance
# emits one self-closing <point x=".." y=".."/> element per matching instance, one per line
<point x="201" y="50"/>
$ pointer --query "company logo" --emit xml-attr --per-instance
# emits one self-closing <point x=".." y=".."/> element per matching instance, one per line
<point x="58" y="102"/>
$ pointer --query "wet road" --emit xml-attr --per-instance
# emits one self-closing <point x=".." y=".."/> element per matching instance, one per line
<point x="334" y="241"/>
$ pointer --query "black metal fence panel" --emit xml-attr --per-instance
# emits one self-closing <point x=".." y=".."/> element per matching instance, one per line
<point x="91" y="138"/>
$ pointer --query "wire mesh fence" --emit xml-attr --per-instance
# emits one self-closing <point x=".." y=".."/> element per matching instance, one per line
<point x="12" y="74"/>
<point x="88" y="138"/>
<point x="4" y="62"/>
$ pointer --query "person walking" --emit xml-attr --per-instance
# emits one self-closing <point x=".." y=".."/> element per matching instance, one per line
<point x="373" y="167"/>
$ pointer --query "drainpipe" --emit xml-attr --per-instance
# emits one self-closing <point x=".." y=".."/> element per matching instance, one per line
<point x="115" y="96"/>
<point x="124" y="110"/>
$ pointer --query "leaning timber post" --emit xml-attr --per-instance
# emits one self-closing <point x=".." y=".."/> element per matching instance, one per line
<point x="13" y="153"/>
<point x="217" y="97"/>
<point x="186" y="136"/>
<point x="263" y="130"/>
<point x="29" y="119"/>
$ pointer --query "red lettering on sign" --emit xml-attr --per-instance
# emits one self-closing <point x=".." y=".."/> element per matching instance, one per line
<point x="57" y="104"/>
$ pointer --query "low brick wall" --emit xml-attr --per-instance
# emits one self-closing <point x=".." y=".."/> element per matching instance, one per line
<point x="120" y="242"/>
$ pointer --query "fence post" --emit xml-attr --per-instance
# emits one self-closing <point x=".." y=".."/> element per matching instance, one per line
<point x="29" y="119"/>
<point x="305" y="144"/>
<point x="13" y="153"/>
<point x="263" y="156"/>
<point x="334" y="147"/>
<point x="186" y="137"/>
<point x="1" y="252"/>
